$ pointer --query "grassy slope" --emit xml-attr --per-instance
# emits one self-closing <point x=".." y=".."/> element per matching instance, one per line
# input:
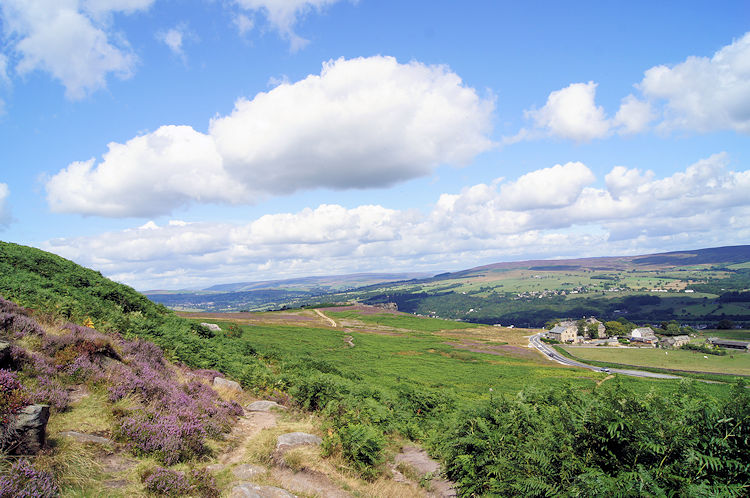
<point x="737" y="363"/>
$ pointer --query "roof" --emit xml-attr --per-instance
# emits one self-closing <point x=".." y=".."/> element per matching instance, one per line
<point x="728" y="342"/>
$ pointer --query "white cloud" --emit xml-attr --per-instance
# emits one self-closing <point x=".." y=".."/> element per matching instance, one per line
<point x="704" y="205"/>
<point x="149" y="174"/>
<point x="634" y="115"/>
<point x="70" y="40"/>
<point x="5" y="216"/>
<point x="284" y="14"/>
<point x="174" y="38"/>
<point x="4" y="78"/>
<point x="572" y="113"/>
<point x="243" y="23"/>
<point x="705" y="94"/>
<point x="361" y="123"/>
<point x="700" y="94"/>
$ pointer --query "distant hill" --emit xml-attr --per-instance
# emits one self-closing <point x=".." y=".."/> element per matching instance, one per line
<point x="254" y="296"/>
<point x="698" y="287"/>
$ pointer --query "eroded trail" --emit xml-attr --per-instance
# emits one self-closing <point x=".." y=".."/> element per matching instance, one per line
<point x="248" y="426"/>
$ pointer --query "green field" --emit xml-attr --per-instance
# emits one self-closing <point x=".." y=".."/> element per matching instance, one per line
<point x="732" y="363"/>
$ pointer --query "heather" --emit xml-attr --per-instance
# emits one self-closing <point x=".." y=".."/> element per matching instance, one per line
<point x="158" y="410"/>
<point x="24" y="480"/>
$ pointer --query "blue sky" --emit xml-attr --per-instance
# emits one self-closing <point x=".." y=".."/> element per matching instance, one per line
<point x="182" y="144"/>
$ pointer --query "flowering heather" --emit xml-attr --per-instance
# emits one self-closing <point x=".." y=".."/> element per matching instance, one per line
<point x="145" y="353"/>
<point x="23" y="480"/>
<point x="12" y="396"/>
<point x="166" y="436"/>
<point x="40" y="364"/>
<point x="9" y="306"/>
<point x="19" y="325"/>
<point x="50" y="391"/>
<point x="166" y="482"/>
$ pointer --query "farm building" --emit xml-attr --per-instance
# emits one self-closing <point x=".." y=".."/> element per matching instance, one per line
<point x="644" y="335"/>
<point x="564" y="332"/>
<point x="674" y="342"/>
<point x="599" y="326"/>
<point x="729" y="343"/>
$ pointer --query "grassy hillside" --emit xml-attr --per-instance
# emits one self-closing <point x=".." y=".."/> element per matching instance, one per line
<point x="378" y="377"/>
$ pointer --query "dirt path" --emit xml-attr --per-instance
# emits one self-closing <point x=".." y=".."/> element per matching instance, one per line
<point x="424" y="466"/>
<point x="322" y="315"/>
<point x="247" y="427"/>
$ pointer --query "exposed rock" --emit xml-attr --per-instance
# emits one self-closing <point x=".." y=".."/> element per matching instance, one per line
<point x="215" y="467"/>
<point x="30" y="427"/>
<point x="86" y="438"/>
<point x="263" y="406"/>
<point x="250" y="490"/>
<point x="227" y="384"/>
<point x="212" y="327"/>
<point x="291" y="440"/>
<point x="424" y="466"/>
<point x="349" y="340"/>
<point x="4" y="354"/>
<point x="246" y="471"/>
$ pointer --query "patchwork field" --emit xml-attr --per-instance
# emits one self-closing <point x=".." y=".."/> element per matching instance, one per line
<point x="732" y="363"/>
<point x="462" y="360"/>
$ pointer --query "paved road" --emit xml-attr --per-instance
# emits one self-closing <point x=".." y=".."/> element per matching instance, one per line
<point x="552" y="355"/>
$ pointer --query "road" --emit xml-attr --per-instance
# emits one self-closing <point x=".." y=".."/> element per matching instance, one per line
<point x="535" y="341"/>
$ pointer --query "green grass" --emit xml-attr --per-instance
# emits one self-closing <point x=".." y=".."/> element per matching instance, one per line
<point x="733" y="363"/>
<point x="419" y="359"/>
<point x="739" y="335"/>
<point x="402" y="321"/>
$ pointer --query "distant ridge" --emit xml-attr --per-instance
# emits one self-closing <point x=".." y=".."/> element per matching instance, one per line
<point x="714" y="255"/>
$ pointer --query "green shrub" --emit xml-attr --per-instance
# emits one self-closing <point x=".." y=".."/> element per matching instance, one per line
<point x="363" y="445"/>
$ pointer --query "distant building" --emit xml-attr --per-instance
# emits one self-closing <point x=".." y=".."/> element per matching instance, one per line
<point x="643" y="335"/>
<point x="729" y="343"/>
<point x="601" y="331"/>
<point x="564" y="332"/>
<point x="674" y="341"/>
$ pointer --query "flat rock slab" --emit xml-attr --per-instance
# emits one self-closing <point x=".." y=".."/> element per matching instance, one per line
<point x="227" y="384"/>
<point x="86" y="438"/>
<point x="419" y="460"/>
<point x="246" y="472"/>
<point x="293" y="439"/>
<point x="264" y="406"/>
<point x="250" y="490"/>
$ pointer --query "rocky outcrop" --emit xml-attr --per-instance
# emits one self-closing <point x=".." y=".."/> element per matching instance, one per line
<point x="227" y="384"/>
<point x="286" y="442"/>
<point x="250" y="490"/>
<point x="212" y="327"/>
<point x="264" y="406"/>
<point x="29" y="429"/>
<point x="4" y="354"/>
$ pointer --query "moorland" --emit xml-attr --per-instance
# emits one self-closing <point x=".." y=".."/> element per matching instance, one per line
<point x="499" y="417"/>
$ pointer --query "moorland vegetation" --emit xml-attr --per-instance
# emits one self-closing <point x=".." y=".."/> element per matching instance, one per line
<point x="500" y="421"/>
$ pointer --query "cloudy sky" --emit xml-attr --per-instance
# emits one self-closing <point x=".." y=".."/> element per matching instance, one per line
<point x="183" y="144"/>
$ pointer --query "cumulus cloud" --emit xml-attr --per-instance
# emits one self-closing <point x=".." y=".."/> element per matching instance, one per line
<point x="572" y="113"/>
<point x="5" y="216"/>
<point x="71" y="40"/>
<point x="360" y="123"/>
<point x="700" y="94"/>
<point x="283" y="15"/>
<point x="705" y="94"/>
<point x="703" y="205"/>
<point x="634" y="115"/>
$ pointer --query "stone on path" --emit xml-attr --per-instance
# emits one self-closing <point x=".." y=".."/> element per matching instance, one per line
<point x="246" y="471"/>
<point x="293" y="439"/>
<point x="227" y="384"/>
<point x="263" y="406"/>
<point x="250" y="490"/>
<point x="86" y="438"/>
